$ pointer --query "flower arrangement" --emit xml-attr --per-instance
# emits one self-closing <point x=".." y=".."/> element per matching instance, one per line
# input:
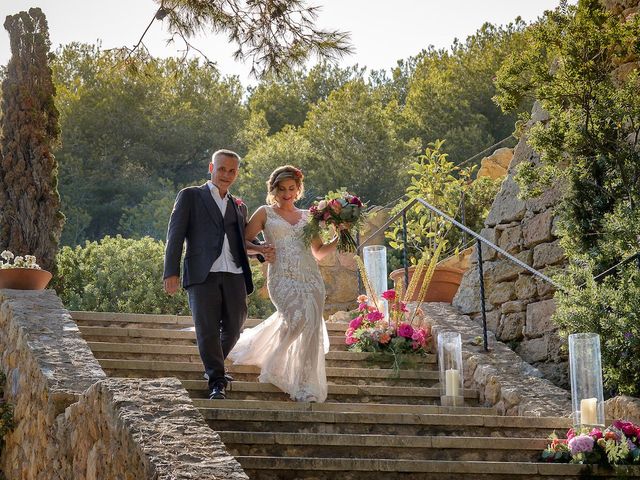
<point x="370" y="332"/>
<point x="618" y="444"/>
<point x="9" y="260"/>
<point x="341" y="210"/>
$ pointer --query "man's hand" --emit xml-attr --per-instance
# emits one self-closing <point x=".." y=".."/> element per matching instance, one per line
<point x="171" y="284"/>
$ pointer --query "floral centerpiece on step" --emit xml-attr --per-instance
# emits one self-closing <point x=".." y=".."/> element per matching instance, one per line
<point x="403" y="331"/>
<point x="343" y="211"/>
<point x="618" y="444"/>
<point x="9" y="260"/>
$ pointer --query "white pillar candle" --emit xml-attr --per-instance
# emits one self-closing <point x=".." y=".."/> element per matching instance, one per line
<point x="588" y="411"/>
<point x="452" y="382"/>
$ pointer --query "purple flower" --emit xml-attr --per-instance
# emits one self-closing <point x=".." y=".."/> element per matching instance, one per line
<point x="581" y="443"/>
<point x="628" y="336"/>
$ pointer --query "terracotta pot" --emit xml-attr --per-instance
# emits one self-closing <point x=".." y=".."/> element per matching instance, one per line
<point x="443" y="287"/>
<point x="24" y="278"/>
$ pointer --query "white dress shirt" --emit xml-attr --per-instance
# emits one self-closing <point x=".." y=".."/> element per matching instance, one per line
<point x="224" y="263"/>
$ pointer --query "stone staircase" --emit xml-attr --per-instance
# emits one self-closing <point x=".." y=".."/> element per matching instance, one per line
<point x="376" y="422"/>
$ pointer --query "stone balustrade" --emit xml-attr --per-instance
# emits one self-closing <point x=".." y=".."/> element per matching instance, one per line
<point x="74" y="423"/>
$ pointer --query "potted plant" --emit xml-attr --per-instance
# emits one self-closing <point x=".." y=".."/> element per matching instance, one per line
<point x="450" y="189"/>
<point x="22" y="272"/>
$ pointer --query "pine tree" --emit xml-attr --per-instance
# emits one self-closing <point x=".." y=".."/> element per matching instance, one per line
<point x="30" y="217"/>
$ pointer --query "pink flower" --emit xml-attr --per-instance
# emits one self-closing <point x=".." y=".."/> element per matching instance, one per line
<point x="581" y="443"/>
<point x="415" y="345"/>
<point x="326" y="215"/>
<point x="355" y="323"/>
<point x="403" y="307"/>
<point x="419" y="335"/>
<point x="322" y="204"/>
<point x="350" y="340"/>
<point x="596" y="433"/>
<point x="628" y="428"/>
<point x="239" y="201"/>
<point x="349" y="332"/>
<point x="374" y="316"/>
<point x="335" y="206"/>
<point x="362" y="306"/>
<point x="389" y="295"/>
<point x="405" y="330"/>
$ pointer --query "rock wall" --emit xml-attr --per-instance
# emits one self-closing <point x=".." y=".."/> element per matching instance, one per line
<point x="520" y="305"/>
<point x="74" y="423"/>
<point x="501" y="377"/>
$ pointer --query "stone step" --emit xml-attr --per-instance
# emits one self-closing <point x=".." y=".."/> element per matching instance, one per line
<point x="343" y="393"/>
<point x="124" y="333"/>
<point x="325" y="445"/>
<point x="371" y="422"/>
<point x="162" y="321"/>
<point x="169" y="352"/>
<point x="302" y="468"/>
<point x="336" y="375"/>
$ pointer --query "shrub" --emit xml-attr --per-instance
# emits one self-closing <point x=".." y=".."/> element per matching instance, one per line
<point x="125" y="275"/>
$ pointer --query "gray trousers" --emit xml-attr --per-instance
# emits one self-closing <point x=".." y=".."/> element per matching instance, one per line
<point x="219" y="310"/>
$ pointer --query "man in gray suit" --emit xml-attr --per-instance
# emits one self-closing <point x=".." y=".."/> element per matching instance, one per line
<point x="216" y="275"/>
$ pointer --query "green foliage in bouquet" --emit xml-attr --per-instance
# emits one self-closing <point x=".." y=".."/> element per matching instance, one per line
<point x="125" y="275"/>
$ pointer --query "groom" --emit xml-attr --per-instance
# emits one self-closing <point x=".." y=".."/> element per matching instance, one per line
<point x="216" y="273"/>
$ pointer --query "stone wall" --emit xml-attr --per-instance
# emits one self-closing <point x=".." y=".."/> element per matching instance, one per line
<point x="501" y="377"/>
<point x="519" y="305"/>
<point x="74" y="423"/>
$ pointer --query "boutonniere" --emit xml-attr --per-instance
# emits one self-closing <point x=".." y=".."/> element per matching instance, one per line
<point x="239" y="201"/>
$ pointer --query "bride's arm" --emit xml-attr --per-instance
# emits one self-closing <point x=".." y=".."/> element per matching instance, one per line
<point x="251" y="230"/>
<point x="320" y="249"/>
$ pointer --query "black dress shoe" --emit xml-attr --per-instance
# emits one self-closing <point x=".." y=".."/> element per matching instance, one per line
<point x="218" y="393"/>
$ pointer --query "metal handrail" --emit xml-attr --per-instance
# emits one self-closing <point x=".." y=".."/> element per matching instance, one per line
<point x="480" y="240"/>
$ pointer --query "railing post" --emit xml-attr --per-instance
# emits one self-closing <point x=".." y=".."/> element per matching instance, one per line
<point x="482" y="304"/>
<point x="405" y="258"/>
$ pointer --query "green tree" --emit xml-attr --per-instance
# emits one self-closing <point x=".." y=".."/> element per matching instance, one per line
<point x="285" y="99"/>
<point x="575" y="66"/>
<point x="274" y="35"/>
<point x="30" y="216"/>
<point x="159" y="123"/>
<point x="355" y="143"/>
<point x="449" y="94"/>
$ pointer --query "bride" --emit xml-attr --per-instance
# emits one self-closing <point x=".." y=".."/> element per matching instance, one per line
<point x="290" y="345"/>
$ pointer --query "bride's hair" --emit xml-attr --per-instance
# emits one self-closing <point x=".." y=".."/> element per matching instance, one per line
<point x="283" y="173"/>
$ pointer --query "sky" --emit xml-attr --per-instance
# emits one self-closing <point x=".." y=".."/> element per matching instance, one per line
<point x="382" y="31"/>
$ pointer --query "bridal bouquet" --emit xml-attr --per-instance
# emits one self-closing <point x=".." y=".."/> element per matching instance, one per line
<point x="340" y="209"/>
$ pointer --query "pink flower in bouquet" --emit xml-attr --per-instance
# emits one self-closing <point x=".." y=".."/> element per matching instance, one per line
<point x="322" y="204"/>
<point x="353" y="200"/>
<point x="403" y="307"/>
<point x="415" y="345"/>
<point x="570" y="434"/>
<point x="362" y="298"/>
<point x="405" y="330"/>
<point x="596" y="433"/>
<point x="628" y="428"/>
<point x="371" y="308"/>
<point x="326" y="215"/>
<point x="355" y="323"/>
<point x="389" y="295"/>
<point x="581" y="443"/>
<point x="362" y="306"/>
<point x="384" y="338"/>
<point x="420" y="336"/>
<point x="349" y="332"/>
<point x="374" y="316"/>
<point x="335" y="206"/>
<point x="350" y="340"/>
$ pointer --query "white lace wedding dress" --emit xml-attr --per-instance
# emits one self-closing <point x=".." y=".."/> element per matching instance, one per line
<point x="290" y="345"/>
